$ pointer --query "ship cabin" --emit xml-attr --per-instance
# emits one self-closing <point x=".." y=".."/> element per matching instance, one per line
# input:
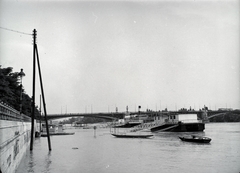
<point x="176" y="118"/>
<point x="140" y="118"/>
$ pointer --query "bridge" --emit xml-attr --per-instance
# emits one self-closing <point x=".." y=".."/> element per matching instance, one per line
<point x="107" y="116"/>
<point x="212" y="114"/>
<point x="120" y="115"/>
<point x="8" y="113"/>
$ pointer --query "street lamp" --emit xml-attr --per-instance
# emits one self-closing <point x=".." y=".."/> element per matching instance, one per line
<point x="21" y="74"/>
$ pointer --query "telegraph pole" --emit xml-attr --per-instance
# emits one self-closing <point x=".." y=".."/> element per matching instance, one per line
<point x="44" y="103"/>
<point x="33" y="89"/>
<point x="40" y="111"/>
<point x="35" y="52"/>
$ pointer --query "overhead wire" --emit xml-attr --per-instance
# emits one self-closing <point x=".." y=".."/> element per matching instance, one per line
<point x="14" y="31"/>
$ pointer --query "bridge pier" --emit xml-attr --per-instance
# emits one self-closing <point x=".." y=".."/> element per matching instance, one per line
<point x="204" y="116"/>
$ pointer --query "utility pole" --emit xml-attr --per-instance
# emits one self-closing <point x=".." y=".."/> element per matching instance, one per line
<point x="43" y="97"/>
<point x="40" y="111"/>
<point x="35" y="52"/>
<point x="33" y="89"/>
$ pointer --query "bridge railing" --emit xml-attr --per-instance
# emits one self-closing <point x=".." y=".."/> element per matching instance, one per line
<point x="10" y="114"/>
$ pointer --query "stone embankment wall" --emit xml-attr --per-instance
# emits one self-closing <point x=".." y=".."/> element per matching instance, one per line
<point x="15" y="134"/>
<point x="14" y="141"/>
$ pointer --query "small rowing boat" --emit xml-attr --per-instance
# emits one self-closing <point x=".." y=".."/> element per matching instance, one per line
<point x="193" y="138"/>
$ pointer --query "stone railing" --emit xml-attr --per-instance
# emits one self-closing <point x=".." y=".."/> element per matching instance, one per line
<point x="10" y="114"/>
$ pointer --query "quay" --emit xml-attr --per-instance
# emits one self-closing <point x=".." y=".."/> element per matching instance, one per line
<point x="15" y="130"/>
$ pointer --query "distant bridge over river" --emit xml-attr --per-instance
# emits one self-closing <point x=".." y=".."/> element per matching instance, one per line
<point x="109" y="116"/>
<point x="120" y="115"/>
<point x="8" y="113"/>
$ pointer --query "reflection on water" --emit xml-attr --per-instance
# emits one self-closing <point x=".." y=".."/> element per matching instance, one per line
<point x="47" y="162"/>
<point x="103" y="153"/>
<point x="36" y="161"/>
<point x="31" y="162"/>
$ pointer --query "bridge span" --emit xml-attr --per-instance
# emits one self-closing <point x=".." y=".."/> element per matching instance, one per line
<point x="120" y="115"/>
<point x="109" y="116"/>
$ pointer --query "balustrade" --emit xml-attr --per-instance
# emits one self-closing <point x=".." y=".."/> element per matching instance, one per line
<point x="10" y="114"/>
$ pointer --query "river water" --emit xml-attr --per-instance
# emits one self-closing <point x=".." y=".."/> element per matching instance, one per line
<point x="103" y="153"/>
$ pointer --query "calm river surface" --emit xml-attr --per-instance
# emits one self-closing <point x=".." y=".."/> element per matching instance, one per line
<point x="163" y="153"/>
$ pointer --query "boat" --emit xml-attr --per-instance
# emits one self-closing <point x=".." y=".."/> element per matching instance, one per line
<point x="177" y="123"/>
<point x="125" y="135"/>
<point x="128" y="124"/>
<point x="57" y="133"/>
<point x="193" y="138"/>
<point x="164" y="121"/>
<point x="54" y="129"/>
<point x="130" y="121"/>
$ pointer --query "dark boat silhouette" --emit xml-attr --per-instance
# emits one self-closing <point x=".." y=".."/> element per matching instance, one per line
<point x="193" y="138"/>
<point x="124" y="135"/>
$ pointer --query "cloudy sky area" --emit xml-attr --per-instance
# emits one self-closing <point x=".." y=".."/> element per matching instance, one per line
<point x="96" y="56"/>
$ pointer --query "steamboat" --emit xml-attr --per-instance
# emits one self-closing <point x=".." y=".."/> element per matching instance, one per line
<point x="164" y="121"/>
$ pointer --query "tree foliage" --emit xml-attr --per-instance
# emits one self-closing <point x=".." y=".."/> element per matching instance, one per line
<point x="10" y="91"/>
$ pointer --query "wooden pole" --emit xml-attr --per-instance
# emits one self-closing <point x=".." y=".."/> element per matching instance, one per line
<point x="44" y="104"/>
<point x="40" y="119"/>
<point x="95" y="128"/>
<point x="33" y="90"/>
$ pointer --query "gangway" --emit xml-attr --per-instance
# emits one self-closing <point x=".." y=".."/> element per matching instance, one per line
<point x="146" y="126"/>
<point x="167" y="128"/>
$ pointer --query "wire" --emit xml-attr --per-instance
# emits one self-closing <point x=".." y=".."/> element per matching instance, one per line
<point x="14" y="31"/>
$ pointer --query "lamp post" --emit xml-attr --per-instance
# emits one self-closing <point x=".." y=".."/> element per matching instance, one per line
<point x="21" y="74"/>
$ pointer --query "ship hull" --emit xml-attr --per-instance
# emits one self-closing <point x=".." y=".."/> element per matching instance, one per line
<point x="131" y="135"/>
<point x="183" y="127"/>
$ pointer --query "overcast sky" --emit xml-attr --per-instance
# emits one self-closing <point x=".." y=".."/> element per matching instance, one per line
<point x="96" y="56"/>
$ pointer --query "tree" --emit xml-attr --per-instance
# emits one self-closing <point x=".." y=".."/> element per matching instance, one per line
<point x="10" y="90"/>
<point x="9" y="86"/>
